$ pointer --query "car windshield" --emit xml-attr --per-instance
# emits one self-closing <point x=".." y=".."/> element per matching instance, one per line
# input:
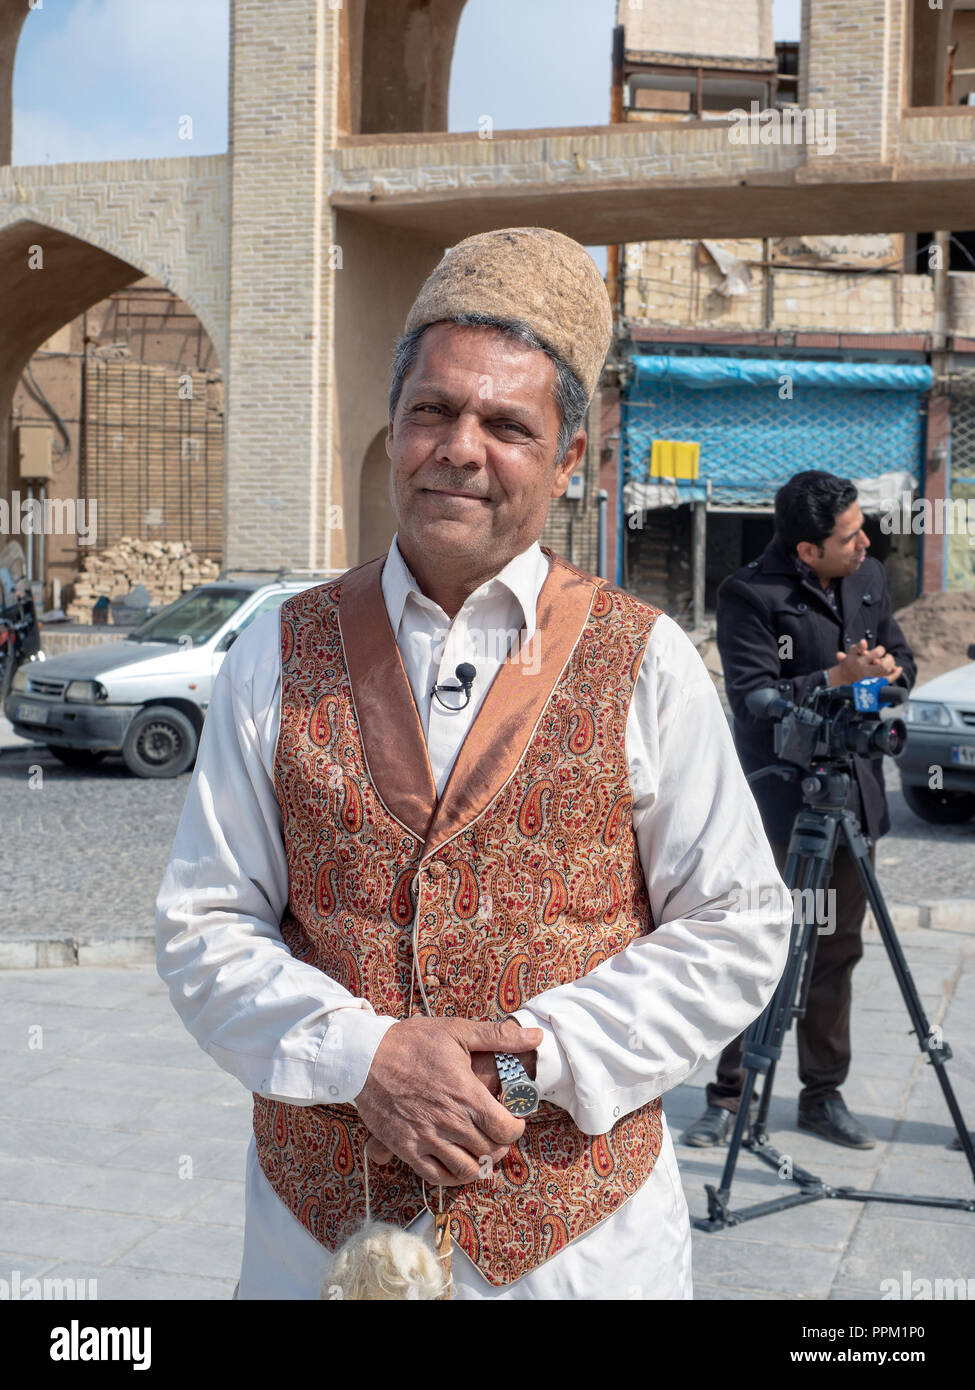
<point x="192" y="619"/>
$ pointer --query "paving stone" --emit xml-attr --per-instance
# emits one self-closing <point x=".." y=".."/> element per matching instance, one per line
<point x="850" y="1293"/>
<point x="53" y="1138"/>
<point x="764" y="1266"/>
<point x="220" y="1204"/>
<point x="92" y="1188"/>
<point x="931" y="1249"/>
<point x="162" y="1153"/>
<point x="152" y="1048"/>
<point x="823" y="1225"/>
<point x="714" y="1292"/>
<point x="183" y="1247"/>
<point x="28" y="1266"/>
<point x="59" y="1232"/>
<point x="98" y="1108"/>
<point x="219" y="1120"/>
<point x="127" y="1077"/>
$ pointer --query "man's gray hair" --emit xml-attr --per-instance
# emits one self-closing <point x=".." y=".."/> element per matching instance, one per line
<point x="569" y="393"/>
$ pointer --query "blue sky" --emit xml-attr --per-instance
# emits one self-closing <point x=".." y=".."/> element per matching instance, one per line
<point x="112" y="79"/>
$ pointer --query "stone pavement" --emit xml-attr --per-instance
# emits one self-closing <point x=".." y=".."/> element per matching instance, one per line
<point x="122" y="1150"/>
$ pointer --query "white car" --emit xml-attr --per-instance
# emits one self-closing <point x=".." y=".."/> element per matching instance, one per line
<point x="940" y="716"/>
<point x="145" y="696"/>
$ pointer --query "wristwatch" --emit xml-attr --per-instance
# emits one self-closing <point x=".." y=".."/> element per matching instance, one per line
<point x="519" y="1094"/>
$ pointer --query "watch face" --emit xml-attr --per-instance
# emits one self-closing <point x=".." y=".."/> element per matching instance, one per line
<point x="521" y="1098"/>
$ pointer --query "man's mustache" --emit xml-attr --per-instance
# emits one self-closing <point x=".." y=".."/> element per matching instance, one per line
<point x="442" y="484"/>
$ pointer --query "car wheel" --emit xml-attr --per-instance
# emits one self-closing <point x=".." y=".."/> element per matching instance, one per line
<point x="76" y="757"/>
<point x="160" y="742"/>
<point x="939" y="807"/>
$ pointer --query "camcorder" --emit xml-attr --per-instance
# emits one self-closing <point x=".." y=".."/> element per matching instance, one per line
<point x="833" y="723"/>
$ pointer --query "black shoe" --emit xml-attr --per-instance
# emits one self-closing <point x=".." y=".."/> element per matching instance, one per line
<point x="713" y="1127"/>
<point x="956" y="1143"/>
<point x="831" y="1119"/>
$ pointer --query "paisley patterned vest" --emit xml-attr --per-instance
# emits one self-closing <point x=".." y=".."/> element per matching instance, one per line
<point x="525" y="875"/>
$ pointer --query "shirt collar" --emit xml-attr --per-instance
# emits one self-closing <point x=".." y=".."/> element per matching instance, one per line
<point x="808" y="573"/>
<point x="523" y="577"/>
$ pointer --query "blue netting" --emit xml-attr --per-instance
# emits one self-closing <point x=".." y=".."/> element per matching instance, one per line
<point x="753" y="440"/>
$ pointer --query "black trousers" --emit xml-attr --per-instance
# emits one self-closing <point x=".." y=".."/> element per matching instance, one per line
<point x="823" y="1036"/>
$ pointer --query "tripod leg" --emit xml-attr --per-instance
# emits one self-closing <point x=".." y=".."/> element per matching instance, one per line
<point x="796" y="868"/>
<point x="937" y="1055"/>
<point x="762" y="1044"/>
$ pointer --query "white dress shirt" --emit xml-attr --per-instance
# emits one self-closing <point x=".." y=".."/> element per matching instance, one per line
<point x="637" y="1025"/>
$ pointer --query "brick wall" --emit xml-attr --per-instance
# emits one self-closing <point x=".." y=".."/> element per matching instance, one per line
<point x="852" y="61"/>
<point x="282" y="122"/>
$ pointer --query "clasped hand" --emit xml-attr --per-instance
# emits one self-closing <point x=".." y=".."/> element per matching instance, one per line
<point x="428" y="1097"/>
<point x="859" y="664"/>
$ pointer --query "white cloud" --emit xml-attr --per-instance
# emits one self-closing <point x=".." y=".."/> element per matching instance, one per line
<point x="110" y="79"/>
<point x="42" y="137"/>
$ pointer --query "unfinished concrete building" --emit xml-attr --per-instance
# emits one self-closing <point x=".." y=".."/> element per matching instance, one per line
<point x="850" y="350"/>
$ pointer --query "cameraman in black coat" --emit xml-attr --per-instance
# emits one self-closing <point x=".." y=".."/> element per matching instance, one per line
<point x="813" y="610"/>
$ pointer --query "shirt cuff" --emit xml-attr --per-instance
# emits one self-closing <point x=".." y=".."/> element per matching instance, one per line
<point x="348" y="1047"/>
<point x="553" y="1075"/>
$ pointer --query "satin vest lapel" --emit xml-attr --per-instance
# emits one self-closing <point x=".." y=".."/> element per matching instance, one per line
<point x="389" y="722"/>
<point x="513" y="705"/>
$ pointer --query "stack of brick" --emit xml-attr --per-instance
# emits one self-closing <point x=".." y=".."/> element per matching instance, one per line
<point x="166" y="568"/>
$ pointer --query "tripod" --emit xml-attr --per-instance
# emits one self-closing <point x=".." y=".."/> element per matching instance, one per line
<point x="818" y="827"/>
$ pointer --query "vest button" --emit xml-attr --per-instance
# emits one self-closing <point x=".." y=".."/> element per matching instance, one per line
<point x="431" y="982"/>
<point x="437" y="869"/>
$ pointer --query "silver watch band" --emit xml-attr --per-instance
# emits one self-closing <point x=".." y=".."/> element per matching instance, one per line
<point x="510" y="1069"/>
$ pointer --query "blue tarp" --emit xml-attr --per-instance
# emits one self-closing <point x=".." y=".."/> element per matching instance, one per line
<point x="710" y="372"/>
<point x="861" y="420"/>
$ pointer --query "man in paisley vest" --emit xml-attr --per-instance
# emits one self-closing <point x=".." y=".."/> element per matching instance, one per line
<point x="468" y="873"/>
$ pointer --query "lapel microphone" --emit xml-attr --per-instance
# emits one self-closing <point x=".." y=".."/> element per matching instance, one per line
<point x="465" y="674"/>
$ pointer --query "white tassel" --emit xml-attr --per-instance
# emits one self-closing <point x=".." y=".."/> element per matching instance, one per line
<point x="381" y="1261"/>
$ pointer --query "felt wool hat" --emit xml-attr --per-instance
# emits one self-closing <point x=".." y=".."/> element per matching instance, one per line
<point x="547" y="280"/>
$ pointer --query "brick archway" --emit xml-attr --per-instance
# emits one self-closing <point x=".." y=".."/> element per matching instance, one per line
<point x="13" y="13"/>
<point x="69" y="276"/>
<point x="396" y="69"/>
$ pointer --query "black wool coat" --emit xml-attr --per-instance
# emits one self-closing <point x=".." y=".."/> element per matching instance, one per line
<point x="767" y="600"/>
